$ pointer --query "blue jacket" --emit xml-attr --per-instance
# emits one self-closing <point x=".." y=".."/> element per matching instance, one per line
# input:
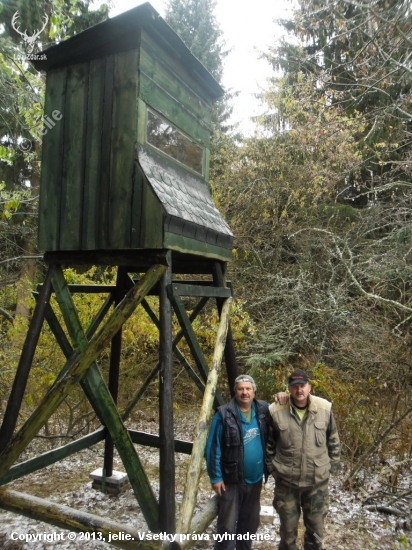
<point x="225" y="448"/>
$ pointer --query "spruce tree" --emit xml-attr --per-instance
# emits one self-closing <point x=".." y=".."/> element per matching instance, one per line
<point x="195" y="23"/>
<point x="358" y="56"/>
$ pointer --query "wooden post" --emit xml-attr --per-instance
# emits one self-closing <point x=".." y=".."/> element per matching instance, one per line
<point x="201" y="522"/>
<point x="114" y="369"/>
<point x="199" y="443"/>
<point x="230" y="356"/>
<point x="23" y="369"/>
<point x="167" y="507"/>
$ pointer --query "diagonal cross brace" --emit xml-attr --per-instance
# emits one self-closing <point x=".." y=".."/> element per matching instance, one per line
<point x="79" y="367"/>
<point x="132" y="403"/>
<point x="191" y="340"/>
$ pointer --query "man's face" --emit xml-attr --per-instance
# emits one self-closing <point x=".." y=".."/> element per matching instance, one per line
<point x="299" y="394"/>
<point x="244" y="394"/>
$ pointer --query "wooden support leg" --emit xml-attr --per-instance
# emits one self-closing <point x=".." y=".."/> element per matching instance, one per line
<point x="199" y="443"/>
<point x="114" y="370"/>
<point x="79" y="365"/>
<point x="167" y="520"/>
<point x="26" y="359"/>
<point x="105" y="407"/>
<point x="230" y="356"/>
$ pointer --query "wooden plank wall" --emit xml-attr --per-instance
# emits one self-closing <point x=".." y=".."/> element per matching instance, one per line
<point x="87" y="189"/>
<point x="52" y="156"/>
<point x="170" y="90"/>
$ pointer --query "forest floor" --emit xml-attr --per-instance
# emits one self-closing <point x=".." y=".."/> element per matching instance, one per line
<point x="349" y="526"/>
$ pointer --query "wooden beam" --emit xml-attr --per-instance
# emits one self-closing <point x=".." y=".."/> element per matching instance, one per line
<point x="180" y="289"/>
<point x="114" y="369"/>
<point x="153" y="440"/>
<point x="26" y="358"/>
<point x="79" y="363"/>
<point x="53" y="456"/>
<point x="196" y="288"/>
<point x="75" y="520"/>
<point x="205" y="415"/>
<point x="136" y="260"/>
<point x="167" y="506"/>
<point x="201" y="522"/>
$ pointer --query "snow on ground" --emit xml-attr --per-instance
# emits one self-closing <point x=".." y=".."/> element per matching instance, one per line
<point x="348" y="527"/>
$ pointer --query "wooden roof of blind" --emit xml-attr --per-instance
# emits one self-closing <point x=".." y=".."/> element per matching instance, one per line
<point x="120" y="33"/>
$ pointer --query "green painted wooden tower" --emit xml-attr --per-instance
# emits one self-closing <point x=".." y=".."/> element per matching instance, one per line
<point x="124" y="182"/>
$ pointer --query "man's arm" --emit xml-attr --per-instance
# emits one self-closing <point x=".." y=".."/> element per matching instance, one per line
<point x="213" y="453"/>
<point x="270" y="448"/>
<point x="333" y="444"/>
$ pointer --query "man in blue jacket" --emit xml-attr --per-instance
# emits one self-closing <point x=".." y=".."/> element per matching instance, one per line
<point x="236" y="464"/>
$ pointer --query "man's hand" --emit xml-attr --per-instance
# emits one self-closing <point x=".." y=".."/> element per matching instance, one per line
<point x="219" y="487"/>
<point x="281" y="398"/>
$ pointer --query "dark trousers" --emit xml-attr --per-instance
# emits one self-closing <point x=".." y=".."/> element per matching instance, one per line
<point x="239" y="512"/>
<point x="289" y="501"/>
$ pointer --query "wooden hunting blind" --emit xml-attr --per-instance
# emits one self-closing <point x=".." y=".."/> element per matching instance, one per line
<point x="124" y="183"/>
<point x="126" y="167"/>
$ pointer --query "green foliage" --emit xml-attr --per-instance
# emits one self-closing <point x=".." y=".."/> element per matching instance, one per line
<point x="195" y="23"/>
<point x="357" y="56"/>
<point x="139" y="354"/>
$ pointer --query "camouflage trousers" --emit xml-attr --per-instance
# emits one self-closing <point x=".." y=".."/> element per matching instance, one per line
<point x="289" y="501"/>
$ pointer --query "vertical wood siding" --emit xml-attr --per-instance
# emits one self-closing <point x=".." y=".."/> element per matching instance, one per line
<point x="87" y="189"/>
<point x="72" y="182"/>
<point x="165" y="86"/>
<point x="92" y="188"/>
<point x="52" y="156"/>
<point x="124" y="135"/>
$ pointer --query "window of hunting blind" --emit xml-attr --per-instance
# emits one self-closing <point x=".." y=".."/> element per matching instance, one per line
<point x="165" y="137"/>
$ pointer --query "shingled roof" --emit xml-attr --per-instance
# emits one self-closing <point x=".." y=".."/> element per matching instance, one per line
<point x="186" y="200"/>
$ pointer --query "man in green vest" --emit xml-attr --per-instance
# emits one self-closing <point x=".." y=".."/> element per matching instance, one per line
<point x="303" y="448"/>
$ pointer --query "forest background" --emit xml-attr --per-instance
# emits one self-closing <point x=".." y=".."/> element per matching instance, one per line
<point x="319" y="200"/>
